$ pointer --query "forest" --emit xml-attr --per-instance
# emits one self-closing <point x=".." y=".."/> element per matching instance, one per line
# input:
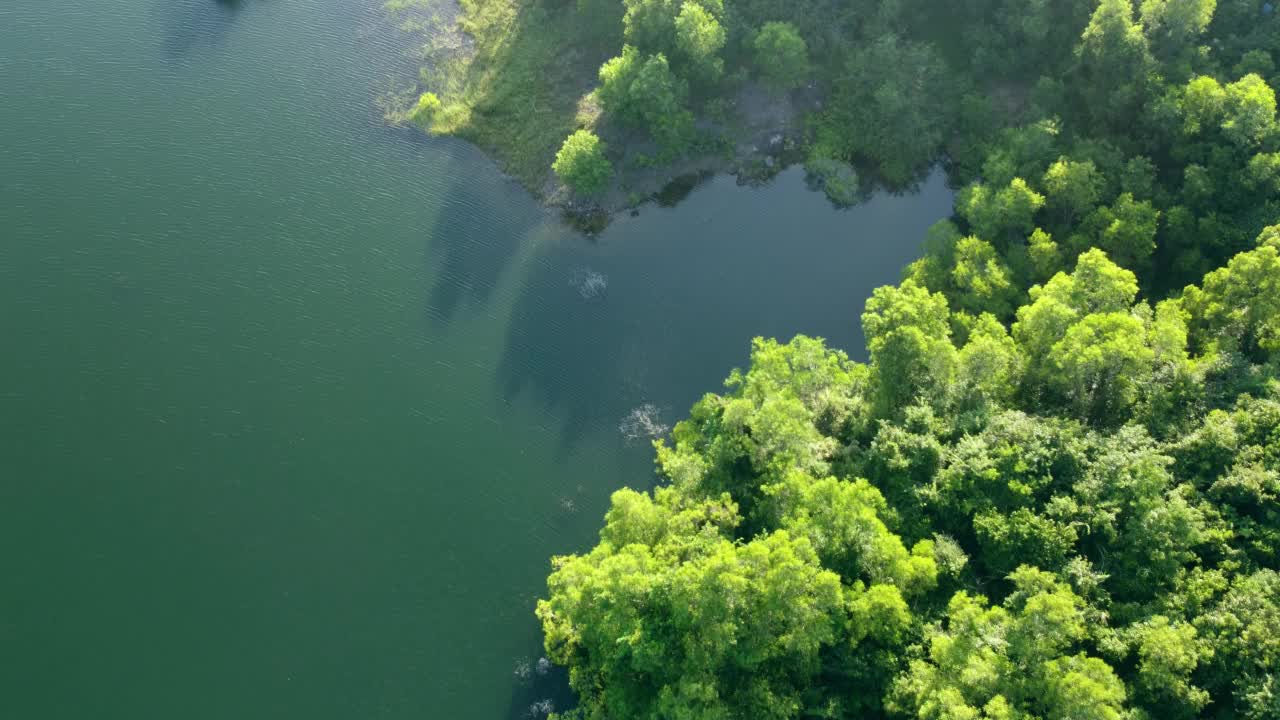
<point x="1053" y="491"/>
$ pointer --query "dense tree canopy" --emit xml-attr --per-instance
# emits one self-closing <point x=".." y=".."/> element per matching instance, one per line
<point x="1055" y="518"/>
<point x="643" y="92"/>
<point x="1053" y="491"/>
<point x="1137" y="127"/>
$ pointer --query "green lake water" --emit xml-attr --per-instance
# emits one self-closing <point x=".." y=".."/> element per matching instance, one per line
<point x="295" y="406"/>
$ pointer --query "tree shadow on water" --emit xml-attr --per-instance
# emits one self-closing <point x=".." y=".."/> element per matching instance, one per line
<point x="661" y="311"/>
<point x="477" y="231"/>
<point x="576" y="349"/>
<point x="198" y="23"/>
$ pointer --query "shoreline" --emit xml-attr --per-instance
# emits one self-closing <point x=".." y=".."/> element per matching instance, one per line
<point x="507" y="86"/>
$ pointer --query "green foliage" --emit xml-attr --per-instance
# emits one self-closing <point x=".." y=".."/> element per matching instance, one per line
<point x="649" y="24"/>
<point x="424" y="111"/>
<point x="582" y="165"/>
<point x="1114" y="60"/>
<point x="1009" y="661"/>
<point x="909" y="338"/>
<point x="645" y="93"/>
<point x="1126" y="230"/>
<point x="889" y="108"/>
<point x="1043" y="254"/>
<point x="616" y="77"/>
<point x="981" y="281"/>
<point x="1073" y="188"/>
<point x="1086" y="345"/>
<point x="1249" y="112"/>
<point x="1168" y="652"/>
<point x="666" y="610"/>
<point x="1002" y="215"/>
<point x="781" y="55"/>
<point x="1203" y="104"/>
<point x="699" y="37"/>
<point x="834" y="177"/>
<point x="1053" y="491"/>
<point x="861" y="496"/>
<point x="842" y="522"/>
<point x="991" y="367"/>
<point x="1095" y="362"/>
<point x="1238" y="307"/>
<point x="1173" y="26"/>
<point x="1244" y="633"/>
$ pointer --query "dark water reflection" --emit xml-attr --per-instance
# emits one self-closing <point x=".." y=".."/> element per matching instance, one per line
<point x="472" y="245"/>
<point x="191" y="24"/>
<point x="684" y="290"/>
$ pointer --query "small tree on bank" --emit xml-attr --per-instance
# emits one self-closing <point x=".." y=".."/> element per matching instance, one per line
<point x="424" y="111"/>
<point x="581" y="163"/>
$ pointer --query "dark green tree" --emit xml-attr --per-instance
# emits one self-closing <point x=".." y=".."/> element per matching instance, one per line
<point x="1113" y="61"/>
<point x="781" y="55"/>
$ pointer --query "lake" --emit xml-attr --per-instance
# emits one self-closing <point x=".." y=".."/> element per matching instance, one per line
<point x="296" y="406"/>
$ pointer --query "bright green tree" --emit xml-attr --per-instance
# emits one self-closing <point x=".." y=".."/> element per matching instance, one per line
<point x="1202" y="104"/>
<point x="616" y="78"/>
<point x="1044" y="255"/>
<point x="990" y="365"/>
<point x="699" y="38"/>
<point x="667" y="617"/>
<point x="1238" y="307"/>
<point x="909" y="337"/>
<point x="1243" y="631"/>
<point x="1073" y="188"/>
<point x="842" y="520"/>
<point x="424" y="111"/>
<point x="1263" y="173"/>
<point x="1143" y="526"/>
<point x="1173" y="26"/>
<point x="646" y="93"/>
<point x="981" y="280"/>
<point x="1020" y="659"/>
<point x="771" y="424"/>
<point x="649" y="25"/>
<point x="1168" y="652"/>
<point x="1099" y="365"/>
<point x="1000" y="216"/>
<point x="1113" y="60"/>
<point x="582" y="165"/>
<point x="1126" y="230"/>
<point x="1250" y="109"/>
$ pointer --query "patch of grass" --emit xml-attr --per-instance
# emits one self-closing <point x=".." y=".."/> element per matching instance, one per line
<point x="519" y="88"/>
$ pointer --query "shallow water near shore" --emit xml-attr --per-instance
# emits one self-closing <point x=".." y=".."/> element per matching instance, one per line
<point x="296" y="405"/>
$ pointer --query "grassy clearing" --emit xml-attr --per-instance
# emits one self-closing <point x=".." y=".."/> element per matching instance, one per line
<point x="509" y="79"/>
<point x="516" y="77"/>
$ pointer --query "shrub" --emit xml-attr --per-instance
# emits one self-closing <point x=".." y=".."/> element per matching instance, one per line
<point x="581" y="163"/>
<point x="424" y="112"/>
